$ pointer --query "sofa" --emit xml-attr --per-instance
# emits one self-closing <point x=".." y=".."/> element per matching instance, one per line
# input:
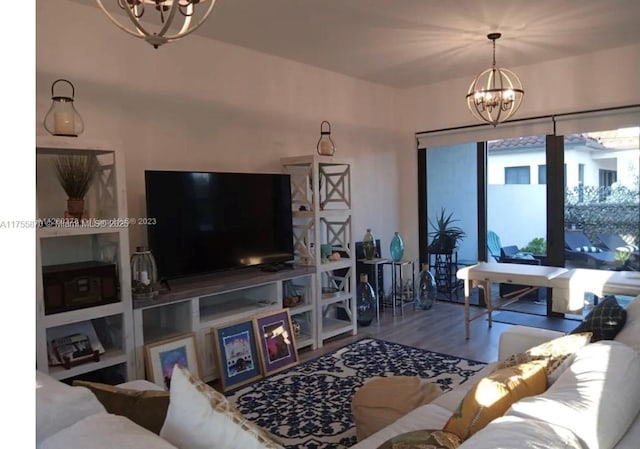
<point x="594" y="403"/>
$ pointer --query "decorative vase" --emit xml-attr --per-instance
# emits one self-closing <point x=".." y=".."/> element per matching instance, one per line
<point x="366" y="301"/>
<point x="75" y="208"/>
<point x="396" y="248"/>
<point x="144" y="274"/>
<point x="369" y="245"/>
<point x="427" y="289"/>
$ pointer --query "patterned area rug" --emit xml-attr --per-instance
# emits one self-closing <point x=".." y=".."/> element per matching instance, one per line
<point x="309" y="406"/>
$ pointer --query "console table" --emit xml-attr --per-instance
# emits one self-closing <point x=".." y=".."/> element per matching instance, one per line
<point x="569" y="285"/>
<point x="484" y="273"/>
<point x="397" y="278"/>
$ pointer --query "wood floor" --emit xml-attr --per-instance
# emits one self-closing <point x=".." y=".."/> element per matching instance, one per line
<point x="440" y="329"/>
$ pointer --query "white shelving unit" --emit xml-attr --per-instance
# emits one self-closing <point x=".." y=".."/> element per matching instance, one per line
<point x="59" y="244"/>
<point x="322" y="216"/>
<point x="201" y="304"/>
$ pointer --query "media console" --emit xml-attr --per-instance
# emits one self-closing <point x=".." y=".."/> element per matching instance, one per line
<point x="200" y="304"/>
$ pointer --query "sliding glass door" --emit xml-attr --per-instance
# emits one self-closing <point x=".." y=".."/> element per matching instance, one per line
<point x="517" y="213"/>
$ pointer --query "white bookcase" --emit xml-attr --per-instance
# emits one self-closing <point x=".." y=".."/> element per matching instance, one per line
<point x="199" y="305"/>
<point x="322" y="216"/>
<point x="104" y="241"/>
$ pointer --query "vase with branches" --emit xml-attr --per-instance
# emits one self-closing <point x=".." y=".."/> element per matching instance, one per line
<point x="75" y="174"/>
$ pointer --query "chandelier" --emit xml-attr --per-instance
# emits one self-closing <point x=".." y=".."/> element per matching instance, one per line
<point x="166" y="12"/>
<point x="495" y="94"/>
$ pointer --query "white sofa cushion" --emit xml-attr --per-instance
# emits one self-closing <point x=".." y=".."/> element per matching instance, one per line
<point x="59" y="405"/>
<point x="429" y="416"/>
<point x="509" y="432"/>
<point x="630" y="333"/>
<point x="105" y="431"/>
<point x="200" y="417"/>
<point x="597" y="397"/>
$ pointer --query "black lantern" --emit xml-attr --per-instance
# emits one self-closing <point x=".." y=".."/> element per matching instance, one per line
<point x="62" y="118"/>
<point x="325" y="144"/>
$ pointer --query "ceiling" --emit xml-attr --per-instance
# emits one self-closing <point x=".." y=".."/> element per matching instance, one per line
<point x="406" y="43"/>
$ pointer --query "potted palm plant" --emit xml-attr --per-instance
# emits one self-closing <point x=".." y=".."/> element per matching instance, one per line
<point x="75" y="174"/>
<point x="445" y="236"/>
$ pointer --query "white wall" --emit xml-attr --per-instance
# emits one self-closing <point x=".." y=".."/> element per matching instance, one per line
<point x="205" y="105"/>
<point x="590" y="81"/>
<point x="202" y="104"/>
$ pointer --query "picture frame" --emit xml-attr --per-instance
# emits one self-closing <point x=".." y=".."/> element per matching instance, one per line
<point x="162" y="355"/>
<point x="237" y="354"/>
<point x="277" y="342"/>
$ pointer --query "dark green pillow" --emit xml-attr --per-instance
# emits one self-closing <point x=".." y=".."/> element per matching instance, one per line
<point x="604" y="321"/>
<point x="432" y="439"/>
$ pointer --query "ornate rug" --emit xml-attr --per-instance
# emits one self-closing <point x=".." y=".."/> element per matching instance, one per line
<point x="309" y="405"/>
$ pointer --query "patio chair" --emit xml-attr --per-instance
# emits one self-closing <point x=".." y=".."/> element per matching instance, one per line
<point x="580" y="251"/>
<point x="615" y="243"/>
<point x="512" y="254"/>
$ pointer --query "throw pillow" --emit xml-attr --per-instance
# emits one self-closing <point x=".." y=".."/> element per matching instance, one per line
<point x="147" y="408"/>
<point x="200" y="417"/>
<point x="604" y="321"/>
<point x="630" y="333"/>
<point x="493" y="396"/>
<point x="379" y="402"/>
<point x="558" y="353"/>
<point x="430" y="439"/>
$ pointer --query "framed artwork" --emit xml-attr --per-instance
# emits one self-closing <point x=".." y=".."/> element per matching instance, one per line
<point x="161" y="356"/>
<point x="277" y="347"/>
<point x="237" y="354"/>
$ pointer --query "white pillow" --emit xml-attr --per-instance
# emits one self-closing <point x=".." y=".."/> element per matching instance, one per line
<point x="597" y="397"/>
<point x="59" y="405"/>
<point x="630" y="333"/>
<point x="105" y="431"/>
<point x="508" y="432"/>
<point x="199" y="417"/>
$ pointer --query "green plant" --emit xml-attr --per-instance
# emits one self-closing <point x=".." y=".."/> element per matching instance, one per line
<point x="537" y="246"/>
<point x="75" y="174"/>
<point x="445" y="236"/>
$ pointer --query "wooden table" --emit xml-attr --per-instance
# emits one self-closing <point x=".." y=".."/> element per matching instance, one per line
<point x="484" y="273"/>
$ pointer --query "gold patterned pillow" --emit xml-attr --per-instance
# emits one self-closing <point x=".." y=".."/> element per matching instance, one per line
<point x="200" y="417"/>
<point x="423" y="439"/>
<point x="493" y="395"/>
<point x="558" y="353"/>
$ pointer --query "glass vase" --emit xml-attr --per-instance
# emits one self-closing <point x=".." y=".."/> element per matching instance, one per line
<point x="144" y="274"/>
<point x="427" y="289"/>
<point x="366" y="301"/>
<point x="396" y="248"/>
<point x="369" y="245"/>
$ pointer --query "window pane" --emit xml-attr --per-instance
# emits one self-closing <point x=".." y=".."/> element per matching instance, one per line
<point x="542" y="174"/>
<point x="517" y="175"/>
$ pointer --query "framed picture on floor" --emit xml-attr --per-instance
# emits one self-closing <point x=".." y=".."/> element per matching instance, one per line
<point x="236" y="350"/>
<point x="161" y="356"/>
<point x="277" y="347"/>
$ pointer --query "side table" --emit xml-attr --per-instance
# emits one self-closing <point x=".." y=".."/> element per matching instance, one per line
<point x="373" y="265"/>
<point x="397" y="269"/>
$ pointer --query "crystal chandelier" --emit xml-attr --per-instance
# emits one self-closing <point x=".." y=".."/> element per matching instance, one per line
<point x="166" y="12"/>
<point x="495" y="94"/>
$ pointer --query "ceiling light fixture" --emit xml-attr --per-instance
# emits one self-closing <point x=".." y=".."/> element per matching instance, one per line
<point x="167" y="11"/>
<point x="495" y="94"/>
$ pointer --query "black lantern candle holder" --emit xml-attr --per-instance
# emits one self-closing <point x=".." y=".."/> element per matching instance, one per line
<point x="62" y="119"/>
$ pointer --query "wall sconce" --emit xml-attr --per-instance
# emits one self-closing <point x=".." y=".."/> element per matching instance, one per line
<point x="325" y="145"/>
<point x="62" y="119"/>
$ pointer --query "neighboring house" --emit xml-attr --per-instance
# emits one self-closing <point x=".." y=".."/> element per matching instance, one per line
<point x="587" y="162"/>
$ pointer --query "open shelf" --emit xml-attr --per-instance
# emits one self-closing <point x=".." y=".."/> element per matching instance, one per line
<point x="109" y="358"/>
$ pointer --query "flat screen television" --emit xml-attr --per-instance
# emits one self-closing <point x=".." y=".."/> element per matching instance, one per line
<point x="207" y="222"/>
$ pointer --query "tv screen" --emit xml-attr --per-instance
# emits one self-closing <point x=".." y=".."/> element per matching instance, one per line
<point x="208" y="222"/>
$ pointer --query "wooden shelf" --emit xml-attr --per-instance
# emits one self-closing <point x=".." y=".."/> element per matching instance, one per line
<point x="109" y="358"/>
<point x="72" y="231"/>
<point x="75" y="316"/>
